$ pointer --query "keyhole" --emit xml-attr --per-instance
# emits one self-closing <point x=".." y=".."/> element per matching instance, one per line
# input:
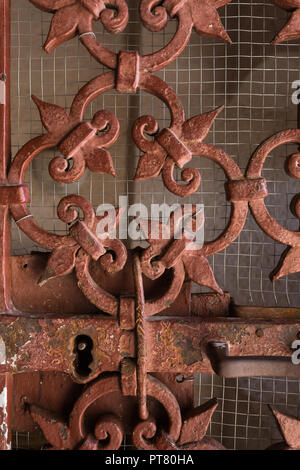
<point x="83" y="350"/>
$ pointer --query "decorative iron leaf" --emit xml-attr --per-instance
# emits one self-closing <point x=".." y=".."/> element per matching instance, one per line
<point x="150" y="165"/>
<point x="52" y="5"/>
<point x="64" y="25"/>
<point x="60" y="263"/>
<point x="53" y="117"/>
<point x="290" y="263"/>
<point x="291" y="29"/>
<point x="100" y="161"/>
<point x="55" y="430"/>
<point x="207" y="21"/>
<point x="199" y="271"/>
<point x="195" y="424"/>
<point x="287" y="4"/>
<point x="196" y="129"/>
<point x="290" y="428"/>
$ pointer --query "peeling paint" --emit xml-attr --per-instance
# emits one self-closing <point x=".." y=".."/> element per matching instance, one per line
<point x="233" y="333"/>
<point x="3" y="425"/>
<point x="2" y="351"/>
<point x="14" y="360"/>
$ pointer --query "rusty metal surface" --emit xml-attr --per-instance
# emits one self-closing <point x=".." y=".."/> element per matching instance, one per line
<point x="187" y="432"/>
<point x="131" y="343"/>
<point x="77" y="16"/>
<point x="225" y="365"/>
<point x="41" y="389"/>
<point x="290" y="430"/>
<point x="178" y="143"/>
<point x="54" y="390"/>
<point x="81" y="245"/>
<point x="178" y="344"/>
<point x="292" y="28"/>
<point x="48" y="299"/>
<point x="5" y="155"/>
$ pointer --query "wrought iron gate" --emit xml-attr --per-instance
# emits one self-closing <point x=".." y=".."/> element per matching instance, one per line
<point x="118" y="329"/>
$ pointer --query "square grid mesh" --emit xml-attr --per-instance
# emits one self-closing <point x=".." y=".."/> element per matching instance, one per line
<point x="253" y="80"/>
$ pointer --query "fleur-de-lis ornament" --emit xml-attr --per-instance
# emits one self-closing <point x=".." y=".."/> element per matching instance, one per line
<point x="173" y="146"/>
<point x="176" y="243"/>
<point x="72" y="16"/>
<point x="85" y="145"/>
<point x="85" y="237"/>
<point x="108" y="431"/>
<point x="204" y="15"/>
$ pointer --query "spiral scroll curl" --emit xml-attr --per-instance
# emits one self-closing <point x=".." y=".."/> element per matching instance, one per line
<point x="109" y="432"/>
<point x="69" y="207"/>
<point x="191" y="176"/>
<point x="143" y="431"/>
<point x="115" y="17"/>
<point x="86" y="148"/>
<point x="289" y="262"/>
<point x="153" y="14"/>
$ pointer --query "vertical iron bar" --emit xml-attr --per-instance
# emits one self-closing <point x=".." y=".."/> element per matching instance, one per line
<point x="6" y="380"/>
<point x="4" y="87"/>
<point x="5" y="154"/>
<point x="141" y="344"/>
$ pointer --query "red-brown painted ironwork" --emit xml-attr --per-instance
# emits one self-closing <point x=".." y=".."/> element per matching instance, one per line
<point x="173" y="145"/>
<point x="225" y="365"/>
<point x="171" y="345"/>
<point x="5" y="154"/>
<point x="8" y="194"/>
<point x="140" y="339"/>
<point x="194" y="427"/>
<point x="178" y="344"/>
<point x="177" y="144"/>
<point x="131" y="345"/>
<point x="289" y="262"/>
<point x="82" y="244"/>
<point x="290" y="430"/>
<point x="77" y="16"/>
<point x="72" y="16"/>
<point x="188" y="431"/>
<point x="177" y="254"/>
<point x="291" y="29"/>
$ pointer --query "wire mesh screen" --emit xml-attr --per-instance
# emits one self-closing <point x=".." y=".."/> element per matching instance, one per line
<point x="243" y="419"/>
<point x="253" y="80"/>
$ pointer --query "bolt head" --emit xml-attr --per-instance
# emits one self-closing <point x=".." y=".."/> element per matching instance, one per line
<point x="259" y="332"/>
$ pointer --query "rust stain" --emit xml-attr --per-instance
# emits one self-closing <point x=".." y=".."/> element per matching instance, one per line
<point x="17" y="334"/>
<point x="233" y="333"/>
<point x="180" y="345"/>
<point x="288" y="334"/>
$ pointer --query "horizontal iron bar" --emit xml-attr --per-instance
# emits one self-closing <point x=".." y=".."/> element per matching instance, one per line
<point x="173" y="344"/>
<point x="249" y="366"/>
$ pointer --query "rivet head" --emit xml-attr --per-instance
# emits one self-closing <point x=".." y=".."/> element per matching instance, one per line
<point x="259" y="332"/>
<point x="180" y="378"/>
